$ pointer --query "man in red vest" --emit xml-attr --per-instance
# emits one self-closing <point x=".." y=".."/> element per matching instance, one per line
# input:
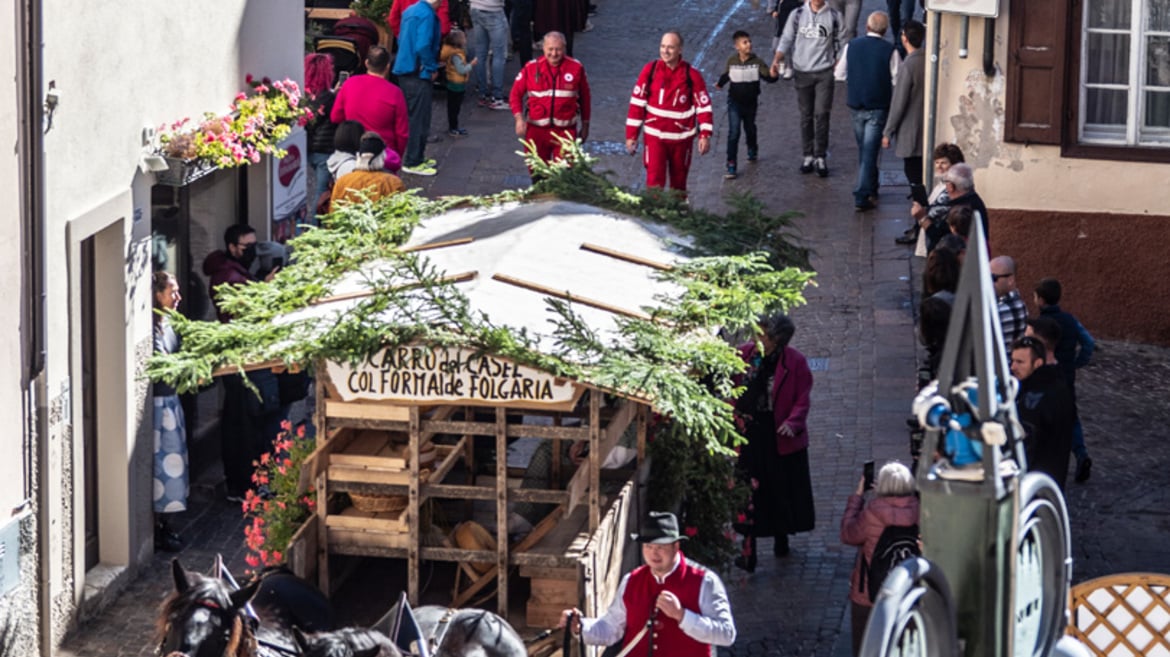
<point x="670" y="106"/>
<point x="670" y="607"/>
<point x="558" y="96"/>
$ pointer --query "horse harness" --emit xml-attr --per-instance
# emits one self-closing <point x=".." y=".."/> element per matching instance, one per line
<point x="439" y="632"/>
<point x="236" y="638"/>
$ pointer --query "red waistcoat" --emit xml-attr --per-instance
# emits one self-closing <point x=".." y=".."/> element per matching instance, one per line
<point x="641" y="592"/>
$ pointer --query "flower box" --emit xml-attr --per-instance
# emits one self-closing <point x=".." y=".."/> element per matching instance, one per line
<point x="183" y="172"/>
<point x="301" y="555"/>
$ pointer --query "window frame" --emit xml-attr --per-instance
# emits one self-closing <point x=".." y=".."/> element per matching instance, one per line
<point x="1076" y="93"/>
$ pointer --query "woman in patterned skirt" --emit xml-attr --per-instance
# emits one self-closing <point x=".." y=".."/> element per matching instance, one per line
<point x="170" y="432"/>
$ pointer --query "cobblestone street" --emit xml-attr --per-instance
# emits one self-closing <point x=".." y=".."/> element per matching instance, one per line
<point x="857" y="325"/>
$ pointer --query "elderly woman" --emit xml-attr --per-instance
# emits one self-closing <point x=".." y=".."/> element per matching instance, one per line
<point x="894" y="505"/>
<point x="170" y="430"/>
<point x="932" y="217"/>
<point x="774" y="411"/>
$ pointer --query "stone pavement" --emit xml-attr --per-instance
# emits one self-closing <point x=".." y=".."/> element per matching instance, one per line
<point x="857" y="326"/>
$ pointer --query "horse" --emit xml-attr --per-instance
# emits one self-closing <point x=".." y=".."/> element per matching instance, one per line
<point x="348" y="642"/>
<point x="205" y="617"/>
<point x="443" y="632"/>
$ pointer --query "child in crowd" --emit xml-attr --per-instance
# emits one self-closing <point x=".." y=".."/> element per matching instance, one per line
<point x="454" y="59"/>
<point x="744" y="71"/>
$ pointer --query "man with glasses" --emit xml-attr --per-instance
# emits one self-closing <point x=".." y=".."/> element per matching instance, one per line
<point x="1013" y="313"/>
<point x="1046" y="409"/>
<point x="245" y="419"/>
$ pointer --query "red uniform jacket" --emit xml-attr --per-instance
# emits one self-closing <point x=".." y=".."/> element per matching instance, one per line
<point x="669" y="104"/>
<point x="668" y="639"/>
<point x="555" y="95"/>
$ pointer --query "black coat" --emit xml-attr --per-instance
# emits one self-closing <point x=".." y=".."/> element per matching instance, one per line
<point x="1048" y="413"/>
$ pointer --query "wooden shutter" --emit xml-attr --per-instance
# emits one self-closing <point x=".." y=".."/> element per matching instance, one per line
<point x="1037" y="45"/>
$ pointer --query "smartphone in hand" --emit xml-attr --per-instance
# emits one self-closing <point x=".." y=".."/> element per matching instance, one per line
<point x="868" y="473"/>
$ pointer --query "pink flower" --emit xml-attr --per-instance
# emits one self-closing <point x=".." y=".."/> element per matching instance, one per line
<point x="691" y="531"/>
<point x="741" y="518"/>
<point x="252" y="561"/>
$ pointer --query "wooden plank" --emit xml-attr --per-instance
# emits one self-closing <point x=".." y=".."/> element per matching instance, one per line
<point x="643" y="427"/>
<point x="438" y="245"/>
<point x="302" y="550"/>
<point x="513" y="430"/>
<point x="559" y="591"/>
<point x="594" y="459"/>
<point x="567" y="296"/>
<point x="322" y="535"/>
<point x="446" y="458"/>
<point x="327" y="13"/>
<point x="365" y="411"/>
<point x="502" y="511"/>
<point x="606" y="549"/>
<point x="324" y="433"/>
<point x="380" y="551"/>
<point x="549" y="573"/>
<point x="250" y="367"/>
<point x="412" y="557"/>
<point x="374" y="521"/>
<point x="588" y="479"/>
<point x="627" y="257"/>
<point x="462" y="277"/>
<point x="368" y="423"/>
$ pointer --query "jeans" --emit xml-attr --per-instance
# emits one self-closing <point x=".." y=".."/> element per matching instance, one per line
<point x="490" y="30"/>
<point x="418" y="94"/>
<point x="850" y="10"/>
<point x="737" y="114"/>
<point x="814" y="97"/>
<point x="521" y="20"/>
<point x="321" y="171"/>
<point x="901" y="12"/>
<point x="867" y="128"/>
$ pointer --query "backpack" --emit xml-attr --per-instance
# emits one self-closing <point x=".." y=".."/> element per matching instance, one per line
<point x="895" y="545"/>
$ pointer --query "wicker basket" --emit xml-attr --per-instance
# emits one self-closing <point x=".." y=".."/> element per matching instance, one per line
<point x="378" y="503"/>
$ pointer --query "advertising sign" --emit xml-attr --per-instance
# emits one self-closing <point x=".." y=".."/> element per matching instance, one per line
<point x="289" y="187"/>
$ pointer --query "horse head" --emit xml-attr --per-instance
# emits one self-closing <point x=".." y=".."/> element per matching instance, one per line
<point x="205" y="618"/>
<point x="349" y="642"/>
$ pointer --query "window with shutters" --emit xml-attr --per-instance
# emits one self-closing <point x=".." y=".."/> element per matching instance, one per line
<point x="1124" y="86"/>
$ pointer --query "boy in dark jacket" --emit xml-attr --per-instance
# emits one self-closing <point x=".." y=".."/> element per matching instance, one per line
<point x="744" y="71"/>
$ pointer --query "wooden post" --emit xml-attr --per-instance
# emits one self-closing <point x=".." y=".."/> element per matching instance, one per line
<point x="556" y="455"/>
<point x="502" y="511"/>
<point x="643" y="426"/>
<point x="319" y="418"/>
<point x="594" y="459"/>
<point x="412" y="546"/>
<point x="322" y="535"/>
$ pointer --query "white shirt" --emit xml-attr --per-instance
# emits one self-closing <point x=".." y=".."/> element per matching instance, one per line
<point x="713" y="624"/>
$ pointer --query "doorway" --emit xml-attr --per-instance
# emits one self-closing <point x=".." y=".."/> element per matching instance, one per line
<point x="89" y="407"/>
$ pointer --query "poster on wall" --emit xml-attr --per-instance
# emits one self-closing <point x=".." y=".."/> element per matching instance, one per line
<point x="985" y="8"/>
<point x="289" y="187"/>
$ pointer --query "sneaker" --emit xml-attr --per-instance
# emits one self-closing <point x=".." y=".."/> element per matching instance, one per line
<point x="908" y="237"/>
<point x="484" y="101"/>
<point x="588" y="26"/>
<point x="421" y="169"/>
<point x="864" y="206"/>
<point x="821" y="167"/>
<point x="499" y="104"/>
<point x="1084" y="470"/>
<point x="457" y="132"/>
<point x="753" y="156"/>
<point x="430" y="162"/>
<point x="730" y="175"/>
<point x="806" y="166"/>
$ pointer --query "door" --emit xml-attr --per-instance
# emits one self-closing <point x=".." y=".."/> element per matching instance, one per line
<point x="89" y="400"/>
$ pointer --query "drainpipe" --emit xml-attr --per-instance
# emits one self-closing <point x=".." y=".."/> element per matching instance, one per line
<point x="932" y="100"/>
<point x="989" y="47"/>
<point x="31" y="149"/>
<point x="964" y="31"/>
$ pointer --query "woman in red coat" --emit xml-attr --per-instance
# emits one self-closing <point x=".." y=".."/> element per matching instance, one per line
<point x="774" y="414"/>
<point x="894" y="505"/>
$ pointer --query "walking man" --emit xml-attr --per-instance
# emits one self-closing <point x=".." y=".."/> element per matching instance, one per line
<point x="670" y="105"/>
<point x="811" y="40"/>
<point x="904" y="123"/>
<point x="417" y="66"/>
<point x="558" y="96"/>
<point x="668" y="606"/>
<point x="868" y="65"/>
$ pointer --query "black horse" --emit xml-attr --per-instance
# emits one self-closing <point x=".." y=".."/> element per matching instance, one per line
<point x="442" y="632"/>
<point x="205" y="617"/>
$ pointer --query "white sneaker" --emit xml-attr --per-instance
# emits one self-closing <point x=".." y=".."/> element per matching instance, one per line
<point x="499" y="104"/>
<point x="786" y="71"/>
<point x="422" y="169"/>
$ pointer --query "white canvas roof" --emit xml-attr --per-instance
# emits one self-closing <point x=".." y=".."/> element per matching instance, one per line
<point x="509" y="259"/>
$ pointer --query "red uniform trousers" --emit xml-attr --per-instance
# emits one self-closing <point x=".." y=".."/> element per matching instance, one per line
<point x="667" y="155"/>
<point x="547" y="146"/>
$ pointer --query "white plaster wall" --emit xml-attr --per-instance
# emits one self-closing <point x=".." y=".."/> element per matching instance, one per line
<point x="971" y="113"/>
<point x="12" y="473"/>
<point x="144" y="64"/>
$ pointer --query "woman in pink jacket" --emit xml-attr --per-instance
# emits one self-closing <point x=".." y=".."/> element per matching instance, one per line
<point x="894" y="504"/>
<point x="773" y="411"/>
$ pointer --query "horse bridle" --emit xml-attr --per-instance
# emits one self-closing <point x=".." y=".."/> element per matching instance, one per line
<point x="234" y="637"/>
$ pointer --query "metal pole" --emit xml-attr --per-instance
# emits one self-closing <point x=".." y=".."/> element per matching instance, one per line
<point x="932" y="102"/>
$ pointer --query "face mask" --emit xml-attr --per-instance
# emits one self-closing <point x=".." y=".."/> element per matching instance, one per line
<point x="248" y="255"/>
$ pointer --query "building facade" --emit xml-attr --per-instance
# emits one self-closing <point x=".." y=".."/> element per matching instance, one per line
<point x="95" y="225"/>
<point x="1067" y="123"/>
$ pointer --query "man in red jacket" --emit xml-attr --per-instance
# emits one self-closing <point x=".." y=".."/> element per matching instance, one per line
<point x="670" y="606"/>
<point x="670" y="105"/>
<point x="558" y="93"/>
